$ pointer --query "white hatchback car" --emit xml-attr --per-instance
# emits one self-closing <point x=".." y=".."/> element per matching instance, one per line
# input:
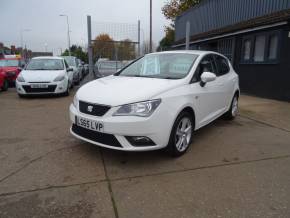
<point x="156" y="102"/>
<point x="45" y="75"/>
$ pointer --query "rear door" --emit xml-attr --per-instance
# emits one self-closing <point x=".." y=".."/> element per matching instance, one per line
<point x="224" y="80"/>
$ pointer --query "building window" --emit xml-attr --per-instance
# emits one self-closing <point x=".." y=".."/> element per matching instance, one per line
<point x="273" y="47"/>
<point x="259" y="54"/>
<point x="247" y="50"/>
<point x="261" y="48"/>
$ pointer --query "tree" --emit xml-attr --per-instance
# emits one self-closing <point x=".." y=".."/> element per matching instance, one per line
<point x="104" y="47"/>
<point x="168" y="40"/>
<point x="174" y="8"/>
<point x="77" y="51"/>
<point x="126" y="50"/>
<point x="171" y="10"/>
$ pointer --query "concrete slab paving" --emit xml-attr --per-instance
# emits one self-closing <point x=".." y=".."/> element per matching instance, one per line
<point x="67" y="202"/>
<point x="234" y="168"/>
<point x="259" y="189"/>
<point x="78" y="165"/>
<point x="276" y="113"/>
<point x="220" y="143"/>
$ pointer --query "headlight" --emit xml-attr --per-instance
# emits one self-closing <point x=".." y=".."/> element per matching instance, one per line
<point x="141" y="109"/>
<point x="75" y="101"/>
<point x="59" y="78"/>
<point x="20" y="79"/>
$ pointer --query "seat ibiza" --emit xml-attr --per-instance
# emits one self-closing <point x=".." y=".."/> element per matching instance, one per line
<point x="156" y="102"/>
<point x="45" y="75"/>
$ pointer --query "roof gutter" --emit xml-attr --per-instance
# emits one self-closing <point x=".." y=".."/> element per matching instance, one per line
<point x="235" y="33"/>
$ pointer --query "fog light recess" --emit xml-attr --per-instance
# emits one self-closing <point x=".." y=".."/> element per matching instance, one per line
<point x="140" y="141"/>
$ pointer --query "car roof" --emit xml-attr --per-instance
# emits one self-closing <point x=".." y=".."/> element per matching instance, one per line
<point x="196" y="52"/>
<point x="48" y="57"/>
<point x="10" y="58"/>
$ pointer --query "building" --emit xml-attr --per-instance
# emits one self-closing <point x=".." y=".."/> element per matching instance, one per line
<point x="26" y="54"/>
<point x="253" y="34"/>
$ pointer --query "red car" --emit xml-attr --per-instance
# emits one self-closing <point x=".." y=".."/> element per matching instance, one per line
<point x="11" y="67"/>
<point x="3" y="82"/>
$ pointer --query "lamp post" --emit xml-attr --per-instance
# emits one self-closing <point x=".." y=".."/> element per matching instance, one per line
<point x="150" y="49"/>
<point x="68" y="32"/>
<point x="21" y="37"/>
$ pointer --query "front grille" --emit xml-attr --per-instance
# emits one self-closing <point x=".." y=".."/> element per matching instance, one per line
<point x="10" y="74"/>
<point x="50" y="88"/>
<point x="103" y="138"/>
<point x="40" y="82"/>
<point x="93" y="109"/>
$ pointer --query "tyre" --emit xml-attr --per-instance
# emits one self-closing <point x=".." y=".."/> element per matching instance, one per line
<point x="233" y="111"/>
<point x="181" y="134"/>
<point x="5" y="85"/>
<point x="77" y="82"/>
<point x="21" y="96"/>
<point x="72" y="85"/>
<point x="66" y="93"/>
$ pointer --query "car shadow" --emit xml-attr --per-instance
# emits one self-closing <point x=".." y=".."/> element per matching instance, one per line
<point x="157" y="156"/>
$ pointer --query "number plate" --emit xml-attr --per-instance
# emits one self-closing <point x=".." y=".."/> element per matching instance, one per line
<point x="90" y="124"/>
<point x="37" y="86"/>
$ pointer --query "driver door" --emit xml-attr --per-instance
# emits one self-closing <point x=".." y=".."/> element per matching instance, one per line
<point x="207" y="98"/>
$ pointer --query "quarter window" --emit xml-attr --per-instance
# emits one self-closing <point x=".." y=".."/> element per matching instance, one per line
<point x="259" y="53"/>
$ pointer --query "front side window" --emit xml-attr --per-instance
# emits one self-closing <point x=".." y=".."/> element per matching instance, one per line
<point x="223" y="66"/>
<point x="259" y="53"/>
<point x="70" y="61"/>
<point x="163" y="66"/>
<point x="207" y="64"/>
<point x="45" y="64"/>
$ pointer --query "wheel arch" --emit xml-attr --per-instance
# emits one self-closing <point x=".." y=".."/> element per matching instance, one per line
<point x="190" y="110"/>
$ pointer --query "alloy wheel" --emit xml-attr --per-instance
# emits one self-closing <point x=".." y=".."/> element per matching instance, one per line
<point x="235" y="107"/>
<point x="183" y="134"/>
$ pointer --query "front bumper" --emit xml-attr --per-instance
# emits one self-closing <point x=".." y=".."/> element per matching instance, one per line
<point x="24" y="88"/>
<point x="156" y="127"/>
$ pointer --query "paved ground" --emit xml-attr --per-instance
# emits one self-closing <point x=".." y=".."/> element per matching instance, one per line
<point x="233" y="169"/>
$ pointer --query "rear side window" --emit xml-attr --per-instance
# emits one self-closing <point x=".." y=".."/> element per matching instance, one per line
<point x="222" y="65"/>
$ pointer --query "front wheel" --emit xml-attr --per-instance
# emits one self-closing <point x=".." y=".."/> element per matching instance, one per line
<point x="67" y="90"/>
<point x="233" y="111"/>
<point x="181" y="134"/>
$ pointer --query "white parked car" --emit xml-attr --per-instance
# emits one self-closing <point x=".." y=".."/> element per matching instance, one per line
<point x="156" y="102"/>
<point x="74" y="64"/>
<point x="45" y="75"/>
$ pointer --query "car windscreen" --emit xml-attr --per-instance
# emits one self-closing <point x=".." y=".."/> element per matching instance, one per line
<point x="9" y="63"/>
<point x="45" y="64"/>
<point x="163" y="66"/>
<point x="71" y="61"/>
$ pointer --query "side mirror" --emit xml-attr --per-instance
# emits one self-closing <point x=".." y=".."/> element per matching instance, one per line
<point x="70" y="69"/>
<point x="207" y="77"/>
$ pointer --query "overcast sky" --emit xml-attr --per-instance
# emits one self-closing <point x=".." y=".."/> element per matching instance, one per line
<point x="48" y="28"/>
